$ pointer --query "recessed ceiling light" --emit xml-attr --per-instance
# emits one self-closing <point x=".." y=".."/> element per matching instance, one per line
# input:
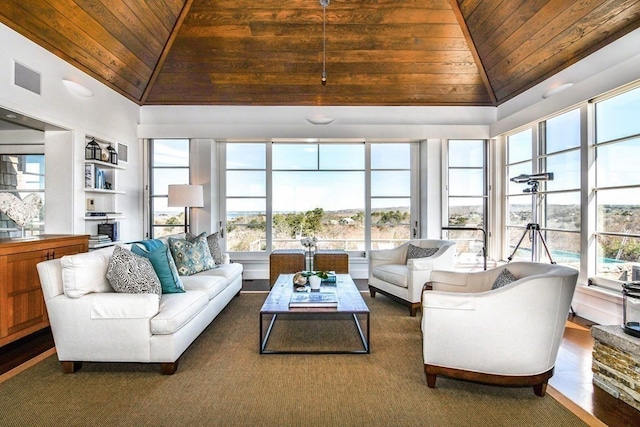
<point x="320" y="120"/>
<point x="11" y="116"/>
<point x="556" y="90"/>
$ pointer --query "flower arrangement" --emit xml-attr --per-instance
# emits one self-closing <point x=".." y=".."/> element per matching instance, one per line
<point x="309" y="243"/>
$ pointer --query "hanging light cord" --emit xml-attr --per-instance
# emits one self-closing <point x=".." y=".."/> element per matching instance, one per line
<point x="324" y="5"/>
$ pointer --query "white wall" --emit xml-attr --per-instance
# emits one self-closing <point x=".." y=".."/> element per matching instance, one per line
<point x="107" y="116"/>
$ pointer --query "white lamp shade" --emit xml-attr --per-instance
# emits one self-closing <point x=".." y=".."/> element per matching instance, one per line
<point x="185" y="196"/>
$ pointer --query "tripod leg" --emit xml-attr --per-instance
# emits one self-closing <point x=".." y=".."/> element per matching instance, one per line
<point x="545" y="246"/>
<point x="510" y="257"/>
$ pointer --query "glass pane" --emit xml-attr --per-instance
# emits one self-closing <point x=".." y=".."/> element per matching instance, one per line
<point x="512" y="171"/>
<point x="339" y="156"/>
<point x="618" y="210"/>
<point x="563" y="211"/>
<point x="392" y="203"/>
<point x="243" y="211"/>
<point x="295" y="156"/>
<point x="389" y="236"/>
<point x="469" y="247"/>
<point x="519" y="146"/>
<point x="246" y="156"/>
<point x="390" y="183"/>
<point x="466" y="211"/>
<point x="466" y="182"/>
<point x="618" y="117"/>
<point x="163" y="177"/>
<point x="617" y="164"/>
<point x="246" y="225"/>
<point x="564" y="248"/>
<point x="519" y="210"/>
<point x="566" y="171"/>
<point x="166" y="220"/>
<point x="246" y="184"/>
<point x="390" y="156"/>
<point x="563" y="132"/>
<point x="167" y="231"/>
<point x="466" y="153"/>
<point x="305" y="191"/>
<point x="170" y="152"/>
<point x="618" y="257"/>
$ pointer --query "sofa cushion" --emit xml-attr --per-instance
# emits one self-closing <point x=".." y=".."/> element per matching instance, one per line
<point x="230" y="272"/>
<point x="176" y="310"/>
<point x="414" y="251"/>
<point x="504" y="278"/>
<point x="211" y="285"/>
<point x="191" y="256"/>
<point x="132" y="274"/>
<point x="396" y="274"/>
<point x="213" y="240"/>
<point x="160" y="256"/>
<point x="86" y="272"/>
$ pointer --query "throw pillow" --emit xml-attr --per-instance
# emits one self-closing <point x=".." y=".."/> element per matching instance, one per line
<point x="418" y="252"/>
<point x="504" y="278"/>
<point x="132" y="274"/>
<point x="214" y="247"/>
<point x="163" y="264"/>
<point x="191" y="256"/>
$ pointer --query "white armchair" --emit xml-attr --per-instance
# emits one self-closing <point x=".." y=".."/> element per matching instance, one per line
<point x="506" y="336"/>
<point x="401" y="279"/>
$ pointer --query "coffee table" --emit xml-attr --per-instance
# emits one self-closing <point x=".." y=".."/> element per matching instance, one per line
<point x="349" y="302"/>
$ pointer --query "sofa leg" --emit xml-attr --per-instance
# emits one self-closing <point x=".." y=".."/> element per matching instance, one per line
<point x="540" y="389"/>
<point x="372" y="292"/>
<point x="70" y="367"/>
<point x="431" y="380"/>
<point x="413" y="308"/>
<point x="169" y="368"/>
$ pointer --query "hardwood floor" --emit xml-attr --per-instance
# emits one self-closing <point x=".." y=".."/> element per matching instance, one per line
<point x="572" y="376"/>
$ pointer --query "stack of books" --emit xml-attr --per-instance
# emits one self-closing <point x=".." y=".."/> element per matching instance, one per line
<point x="324" y="298"/>
<point x="99" y="240"/>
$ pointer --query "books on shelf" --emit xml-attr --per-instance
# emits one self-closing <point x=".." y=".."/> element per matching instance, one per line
<point x="323" y="298"/>
<point x="99" y="240"/>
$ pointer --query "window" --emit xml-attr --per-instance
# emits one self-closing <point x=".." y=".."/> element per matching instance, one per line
<point x="23" y="174"/>
<point x="169" y="165"/>
<point x="617" y="190"/>
<point x="276" y="193"/>
<point x="466" y="195"/>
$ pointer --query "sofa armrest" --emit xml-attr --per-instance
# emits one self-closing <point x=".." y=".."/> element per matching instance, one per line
<point x="226" y="258"/>
<point x="124" y="306"/>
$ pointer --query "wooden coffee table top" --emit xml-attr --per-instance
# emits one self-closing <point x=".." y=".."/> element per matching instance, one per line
<point x="349" y="298"/>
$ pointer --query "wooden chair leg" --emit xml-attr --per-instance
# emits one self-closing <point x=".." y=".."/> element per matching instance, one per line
<point x="70" y="367"/>
<point x="540" y="389"/>
<point x="413" y="308"/>
<point x="169" y="368"/>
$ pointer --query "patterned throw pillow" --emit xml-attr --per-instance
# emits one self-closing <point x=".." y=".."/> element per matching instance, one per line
<point x="504" y="278"/>
<point x="191" y="256"/>
<point x="160" y="256"/>
<point x="132" y="274"/>
<point x="214" y="247"/>
<point x="418" y="252"/>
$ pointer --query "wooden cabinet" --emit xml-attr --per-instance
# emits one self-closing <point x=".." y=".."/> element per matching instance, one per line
<point x="22" y="308"/>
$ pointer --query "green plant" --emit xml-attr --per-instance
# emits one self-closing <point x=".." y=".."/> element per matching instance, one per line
<point x="321" y="274"/>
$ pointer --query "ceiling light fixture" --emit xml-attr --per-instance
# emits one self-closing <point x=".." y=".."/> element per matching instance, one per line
<point x="77" y="88"/>
<point x="320" y="120"/>
<point x="556" y="90"/>
<point x="324" y="4"/>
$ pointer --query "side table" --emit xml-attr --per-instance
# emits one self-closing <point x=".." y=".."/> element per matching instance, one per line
<point x="331" y="260"/>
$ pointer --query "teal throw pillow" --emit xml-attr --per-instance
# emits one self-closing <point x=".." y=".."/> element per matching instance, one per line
<point x="191" y="255"/>
<point x="162" y="262"/>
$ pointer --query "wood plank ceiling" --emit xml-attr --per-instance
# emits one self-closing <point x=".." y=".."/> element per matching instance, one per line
<point x="266" y="52"/>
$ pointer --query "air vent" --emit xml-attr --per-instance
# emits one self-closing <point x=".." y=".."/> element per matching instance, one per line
<point x="123" y="153"/>
<point x="26" y="78"/>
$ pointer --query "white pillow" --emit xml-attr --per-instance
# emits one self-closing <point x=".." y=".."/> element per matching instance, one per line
<point x="86" y="272"/>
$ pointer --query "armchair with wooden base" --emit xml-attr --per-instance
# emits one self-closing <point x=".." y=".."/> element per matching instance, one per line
<point x="509" y="335"/>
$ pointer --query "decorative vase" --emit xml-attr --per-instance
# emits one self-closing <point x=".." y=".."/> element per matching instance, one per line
<point x="314" y="282"/>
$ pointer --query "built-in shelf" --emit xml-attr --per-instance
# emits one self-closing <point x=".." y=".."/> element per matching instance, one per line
<point x="104" y="165"/>
<point x="103" y="218"/>
<point x="102" y="245"/>
<point x="100" y="190"/>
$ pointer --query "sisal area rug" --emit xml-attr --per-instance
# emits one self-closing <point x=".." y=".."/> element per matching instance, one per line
<point x="222" y="380"/>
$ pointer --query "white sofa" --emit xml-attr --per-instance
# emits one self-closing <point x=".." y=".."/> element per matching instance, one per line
<point x="507" y="336"/>
<point x="391" y="274"/>
<point x="97" y="324"/>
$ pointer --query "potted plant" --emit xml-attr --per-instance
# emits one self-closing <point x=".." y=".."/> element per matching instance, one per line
<point x="315" y="278"/>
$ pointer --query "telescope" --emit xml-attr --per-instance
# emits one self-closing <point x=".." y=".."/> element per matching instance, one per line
<point x="524" y="178"/>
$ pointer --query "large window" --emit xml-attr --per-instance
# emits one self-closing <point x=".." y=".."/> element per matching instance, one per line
<point x="617" y="189"/>
<point x="169" y="165"/>
<point x="466" y="196"/>
<point x="277" y="193"/>
<point x="22" y="174"/>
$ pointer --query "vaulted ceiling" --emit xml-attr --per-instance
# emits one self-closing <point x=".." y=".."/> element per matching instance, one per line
<point x="266" y="52"/>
